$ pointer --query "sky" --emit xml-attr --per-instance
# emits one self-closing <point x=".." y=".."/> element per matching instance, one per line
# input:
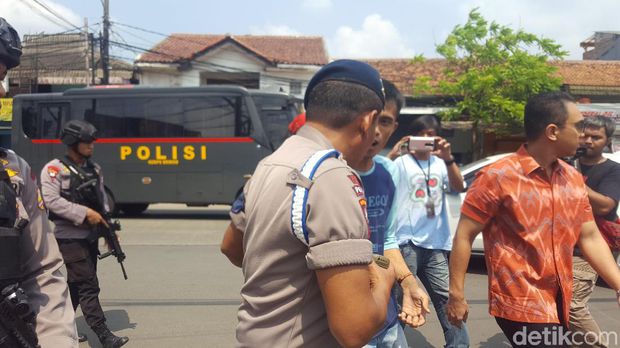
<point x="350" y="28"/>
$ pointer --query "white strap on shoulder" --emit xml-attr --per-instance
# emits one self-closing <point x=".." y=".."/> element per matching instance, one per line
<point x="300" y="193"/>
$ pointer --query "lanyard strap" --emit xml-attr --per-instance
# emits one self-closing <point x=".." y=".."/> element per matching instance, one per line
<point x="427" y="176"/>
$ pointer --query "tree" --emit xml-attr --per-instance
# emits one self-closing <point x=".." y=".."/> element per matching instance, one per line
<point x="494" y="69"/>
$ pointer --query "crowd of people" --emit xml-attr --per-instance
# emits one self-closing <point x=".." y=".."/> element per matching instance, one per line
<point x="310" y="222"/>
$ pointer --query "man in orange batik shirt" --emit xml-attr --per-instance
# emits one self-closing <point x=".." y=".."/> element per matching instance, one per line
<point x="532" y="209"/>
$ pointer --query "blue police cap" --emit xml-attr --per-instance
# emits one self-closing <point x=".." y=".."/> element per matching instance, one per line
<point x="349" y="71"/>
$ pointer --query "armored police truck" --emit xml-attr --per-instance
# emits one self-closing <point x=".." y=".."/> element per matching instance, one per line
<point x="194" y="145"/>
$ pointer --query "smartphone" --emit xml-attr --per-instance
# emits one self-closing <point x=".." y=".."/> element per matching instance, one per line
<point x="422" y="144"/>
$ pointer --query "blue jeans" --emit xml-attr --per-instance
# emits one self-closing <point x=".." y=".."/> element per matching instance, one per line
<point x="431" y="267"/>
<point x="393" y="337"/>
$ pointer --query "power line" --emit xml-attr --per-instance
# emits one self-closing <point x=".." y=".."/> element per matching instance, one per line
<point x="43" y="14"/>
<point x="56" y="14"/>
<point x="141" y="29"/>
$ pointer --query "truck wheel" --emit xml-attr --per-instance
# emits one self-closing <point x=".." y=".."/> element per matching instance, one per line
<point x="132" y="209"/>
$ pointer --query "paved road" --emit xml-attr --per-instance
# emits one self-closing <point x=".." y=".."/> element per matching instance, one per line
<point x="182" y="292"/>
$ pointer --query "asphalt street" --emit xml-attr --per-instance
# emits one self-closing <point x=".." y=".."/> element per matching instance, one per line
<point x="182" y="292"/>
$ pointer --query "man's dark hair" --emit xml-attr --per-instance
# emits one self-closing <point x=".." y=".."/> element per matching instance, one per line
<point x="598" y="121"/>
<point x="337" y="103"/>
<point x="544" y="109"/>
<point x="393" y="95"/>
<point x="423" y="123"/>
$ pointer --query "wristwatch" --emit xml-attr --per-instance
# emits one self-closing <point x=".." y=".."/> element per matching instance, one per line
<point x="449" y="162"/>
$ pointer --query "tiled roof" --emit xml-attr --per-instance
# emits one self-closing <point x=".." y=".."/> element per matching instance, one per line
<point x="403" y="72"/>
<point x="304" y="50"/>
<point x="602" y="73"/>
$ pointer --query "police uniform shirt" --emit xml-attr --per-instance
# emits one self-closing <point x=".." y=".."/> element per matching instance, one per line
<point x="282" y="304"/>
<point x="55" y="176"/>
<point x="42" y="281"/>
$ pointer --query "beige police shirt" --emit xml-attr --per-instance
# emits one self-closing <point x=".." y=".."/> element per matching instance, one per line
<point x="282" y="304"/>
<point x="43" y="282"/>
<point x="55" y="177"/>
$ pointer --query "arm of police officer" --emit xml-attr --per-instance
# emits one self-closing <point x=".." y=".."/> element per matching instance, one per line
<point x="43" y="281"/>
<point x="53" y="175"/>
<point x="355" y="290"/>
<point x="232" y="243"/>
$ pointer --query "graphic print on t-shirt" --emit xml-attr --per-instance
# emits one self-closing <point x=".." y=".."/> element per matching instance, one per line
<point x="418" y="190"/>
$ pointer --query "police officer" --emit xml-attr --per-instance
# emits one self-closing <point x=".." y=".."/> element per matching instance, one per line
<point x="29" y="254"/>
<point x="300" y="231"/>
<point x="74" y="193"/>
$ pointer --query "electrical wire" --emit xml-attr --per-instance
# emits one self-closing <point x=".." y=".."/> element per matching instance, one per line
<point x="55" y="14"/>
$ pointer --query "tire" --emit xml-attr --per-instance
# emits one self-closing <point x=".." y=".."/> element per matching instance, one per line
<point x="132" y="209"/>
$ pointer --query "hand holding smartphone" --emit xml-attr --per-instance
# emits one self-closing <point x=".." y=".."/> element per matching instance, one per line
<point x="421" y="144"/>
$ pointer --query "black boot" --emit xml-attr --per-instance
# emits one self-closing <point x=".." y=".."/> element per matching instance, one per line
<point x="108" y="339"/>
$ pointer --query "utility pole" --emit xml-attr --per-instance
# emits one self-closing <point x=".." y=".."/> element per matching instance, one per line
<point x="105" y="43"/>
<point x="86" y="51"/>
<point x="93" y="66"/>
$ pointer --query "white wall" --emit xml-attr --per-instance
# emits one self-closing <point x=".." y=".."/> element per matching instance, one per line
<point x="228" y="58"/>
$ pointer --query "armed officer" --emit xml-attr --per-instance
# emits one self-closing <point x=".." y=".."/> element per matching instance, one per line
<point x="29" y="255"/>
<point x="74" y="193"/>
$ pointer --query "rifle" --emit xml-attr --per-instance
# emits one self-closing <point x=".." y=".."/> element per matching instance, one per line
<point x="16" y="320"/>
<point x="109" y="233"/>
<point x="88" y="191"/>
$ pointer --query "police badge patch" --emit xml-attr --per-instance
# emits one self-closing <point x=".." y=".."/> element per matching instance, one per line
<point x="52" y="171"/>
<point x="357" y="186"/>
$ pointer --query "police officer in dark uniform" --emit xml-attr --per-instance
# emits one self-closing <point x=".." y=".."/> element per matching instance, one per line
<point x="74" y="193"/>
<point x="29" y="256"/>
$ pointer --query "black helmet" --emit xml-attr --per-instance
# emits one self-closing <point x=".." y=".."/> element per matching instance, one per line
<point x="76" y="131"/>
<point x="10" y="45"/>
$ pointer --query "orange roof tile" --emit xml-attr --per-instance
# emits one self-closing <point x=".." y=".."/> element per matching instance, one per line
<point x="306" y="50"/>
<point x="403" y="72"/>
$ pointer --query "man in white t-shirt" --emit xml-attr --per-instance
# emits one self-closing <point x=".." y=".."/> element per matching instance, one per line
<point x="422" y="230"/>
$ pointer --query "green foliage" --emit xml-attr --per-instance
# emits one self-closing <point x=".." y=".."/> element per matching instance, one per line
<point x="495" y="70"/>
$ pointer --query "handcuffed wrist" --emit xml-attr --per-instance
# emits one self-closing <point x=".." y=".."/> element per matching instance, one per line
<point x="406" y="275"/>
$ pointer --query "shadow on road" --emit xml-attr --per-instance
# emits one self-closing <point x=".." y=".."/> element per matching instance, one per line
<point x="117" y="319"/>
<point x="496" y="341"/>
<point x="416" y="339"/>
<point x="175" y="214"/>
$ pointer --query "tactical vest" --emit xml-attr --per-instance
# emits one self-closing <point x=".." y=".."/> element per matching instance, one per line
<point x="83" y="187"/>
<point x="11" y="227"/>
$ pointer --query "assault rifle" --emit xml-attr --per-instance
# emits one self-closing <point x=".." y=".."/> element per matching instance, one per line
<point x="111" y="238"/>
<point x="16" y="320"/>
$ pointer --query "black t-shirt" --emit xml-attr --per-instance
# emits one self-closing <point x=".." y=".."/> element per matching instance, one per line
<point x="604" y="178"/>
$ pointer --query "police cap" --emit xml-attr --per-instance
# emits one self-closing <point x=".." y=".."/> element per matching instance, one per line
<point x="76" y="131"/>
<point x="10" y="45"/>
<point x="349" y="71"/>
